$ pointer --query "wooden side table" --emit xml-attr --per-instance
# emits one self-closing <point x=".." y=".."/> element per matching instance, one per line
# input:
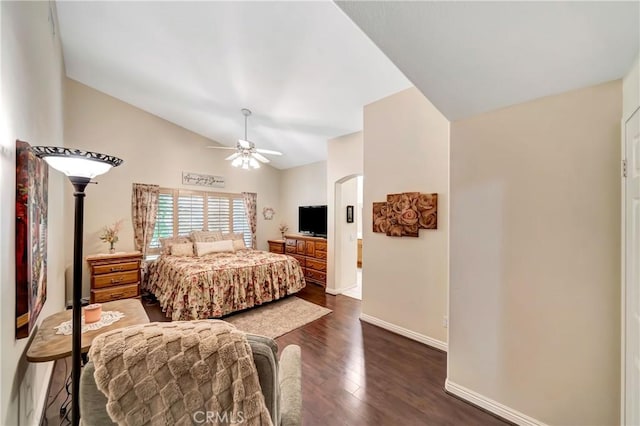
<point x="276" y="246"/>
<point x="46" y="345"/>
<point x="114" y="276"/>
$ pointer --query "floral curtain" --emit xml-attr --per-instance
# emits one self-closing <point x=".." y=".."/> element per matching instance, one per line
<point x="250" y="202"/>
<point x="144" y="208"/>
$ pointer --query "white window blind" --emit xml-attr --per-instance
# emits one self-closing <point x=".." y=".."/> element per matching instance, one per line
<point x="190" y="213"/>
<point x="182" y="211"/>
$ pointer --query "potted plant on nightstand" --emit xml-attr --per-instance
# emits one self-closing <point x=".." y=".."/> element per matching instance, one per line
<point x="110" y="235"/>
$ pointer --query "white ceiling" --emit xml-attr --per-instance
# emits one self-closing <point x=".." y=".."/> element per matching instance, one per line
<point x="304" y="69"/>
<point x="472" y="57"/>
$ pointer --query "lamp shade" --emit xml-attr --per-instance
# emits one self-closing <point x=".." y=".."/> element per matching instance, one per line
<point x="75" y="162"/>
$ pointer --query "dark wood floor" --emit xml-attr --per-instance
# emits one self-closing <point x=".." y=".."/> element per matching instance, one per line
<point x="354" y="373"/>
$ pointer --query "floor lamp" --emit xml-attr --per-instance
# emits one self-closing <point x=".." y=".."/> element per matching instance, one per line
<point x="80" y="167"/>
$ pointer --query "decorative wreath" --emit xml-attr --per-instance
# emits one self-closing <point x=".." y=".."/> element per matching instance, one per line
<point x="268" y="213"/>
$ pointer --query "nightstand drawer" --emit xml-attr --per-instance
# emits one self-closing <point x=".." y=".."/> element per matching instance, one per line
<point x="114" y="293"/>
<point x="109" y="280"/>
<point x="117" y="267"/>
<point x="276" y="247"/>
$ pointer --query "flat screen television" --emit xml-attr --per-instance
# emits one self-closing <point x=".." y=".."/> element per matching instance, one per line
<point x="312" y="220"/>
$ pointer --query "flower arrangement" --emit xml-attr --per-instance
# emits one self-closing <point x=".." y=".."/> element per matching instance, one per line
<point x="283" y="228"/>
<point x="110" y="234"/>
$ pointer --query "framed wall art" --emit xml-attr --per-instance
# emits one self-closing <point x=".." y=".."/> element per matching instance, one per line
<point x="349" y="214"/>
<point x="405" y="214"/>
<point x="32" y="180"/>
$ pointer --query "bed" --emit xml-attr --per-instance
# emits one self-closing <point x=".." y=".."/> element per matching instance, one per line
<point x="217" y="284"/>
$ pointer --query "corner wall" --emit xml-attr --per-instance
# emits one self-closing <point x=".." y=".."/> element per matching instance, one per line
<point x="535" y="257"/>
<point x="405" y="280"/>
<point x="154" y="151"/>
<point x="32" y="102"/>
<point x="300" y="186"/>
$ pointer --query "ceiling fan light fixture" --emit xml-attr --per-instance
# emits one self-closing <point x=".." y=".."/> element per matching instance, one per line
<point x="237" y="161"/>
<point x="247" y="155"/>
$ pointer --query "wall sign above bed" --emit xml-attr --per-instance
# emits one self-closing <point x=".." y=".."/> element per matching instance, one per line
<point x="189" y="178"/>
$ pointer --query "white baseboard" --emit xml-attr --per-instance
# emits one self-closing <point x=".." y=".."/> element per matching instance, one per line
<point x="429" y="341"/>
<point x="491" y="405"/>
<point x="337" y="291"/>
<point x="42" y="401"/>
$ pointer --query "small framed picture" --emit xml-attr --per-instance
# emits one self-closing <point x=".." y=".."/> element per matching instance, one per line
<point x="349" y="214"/>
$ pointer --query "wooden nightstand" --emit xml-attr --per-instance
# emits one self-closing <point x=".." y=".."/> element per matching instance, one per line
<point x="114" y="276"/>
<point x="276" y="246"/>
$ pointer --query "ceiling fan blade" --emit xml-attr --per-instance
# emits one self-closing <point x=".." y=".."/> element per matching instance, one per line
<point x="244" y="144"/>
<point x="268" y="151"/>
<point x="221" y="147"/>
<point x="261" y="157"/>
<point x="233" y="156"/>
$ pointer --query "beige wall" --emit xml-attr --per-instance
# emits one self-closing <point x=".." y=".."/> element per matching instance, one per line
<point x="154" y="151"/>
<point x="300" y="186"/>
<point x="405" y="280"/>
<point x="32" y="70"/>
<point x="535" y="256"/>
<point x="344" y="160"/>
<point x="631" y="90"/>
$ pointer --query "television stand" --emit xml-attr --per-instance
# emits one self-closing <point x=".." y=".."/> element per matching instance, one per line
<point x="311" y="253"/>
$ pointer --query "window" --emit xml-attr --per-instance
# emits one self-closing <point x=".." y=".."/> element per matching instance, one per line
<point x="182" y="211"/>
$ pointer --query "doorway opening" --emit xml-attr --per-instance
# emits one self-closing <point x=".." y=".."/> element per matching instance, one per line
<point x="348" y="227"/>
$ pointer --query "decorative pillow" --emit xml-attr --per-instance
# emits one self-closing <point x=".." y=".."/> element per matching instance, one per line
<point x="182" y="249"/>
<point x="206" y="236"/>
<point x="203" y="248"/>
<point x="233" y="236"/>
<point x="166" y="243"/>
<point x="239" y="245"/>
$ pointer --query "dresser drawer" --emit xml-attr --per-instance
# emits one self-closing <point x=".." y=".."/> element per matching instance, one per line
<point x="114" y="293"/>
<point x="300" y="247"/>
<point x="110" y="280"/>
<point x="301" y="259"/>
<point x="320" y="254"/>
<point x="291" y="249"/>
<point x="310" y="248"/>
<point x="321" y="245"/>
<point x="116" y="267"/>
<point x="317" y="265"/>
<point x="318" y="276"/>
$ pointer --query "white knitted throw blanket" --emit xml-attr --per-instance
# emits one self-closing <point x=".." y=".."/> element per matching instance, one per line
<point x="179" y="373"/>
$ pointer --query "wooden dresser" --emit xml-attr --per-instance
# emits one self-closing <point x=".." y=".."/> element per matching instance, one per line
<point x="311" y="252"/>
<point x="114" y="276"/>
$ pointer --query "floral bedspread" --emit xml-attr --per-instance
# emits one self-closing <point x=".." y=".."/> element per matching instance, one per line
<point x="220" y="283"/>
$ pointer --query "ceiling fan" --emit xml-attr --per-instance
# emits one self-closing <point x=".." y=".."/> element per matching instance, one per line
<point x="247" y="155"/>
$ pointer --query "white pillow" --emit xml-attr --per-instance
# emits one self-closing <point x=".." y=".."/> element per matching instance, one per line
<point x="182" y="249"/>
<point x="214" y="247"/>
<point x="239" y="245"/>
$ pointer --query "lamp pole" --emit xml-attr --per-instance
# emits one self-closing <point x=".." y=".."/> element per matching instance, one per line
<point x="79" y="184"/>
<point x="80" y="167"/>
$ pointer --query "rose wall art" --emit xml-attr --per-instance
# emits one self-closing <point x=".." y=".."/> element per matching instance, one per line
<point x="403" y="215"/>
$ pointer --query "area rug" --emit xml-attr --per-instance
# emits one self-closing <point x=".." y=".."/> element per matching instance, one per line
<point x="277" y="318"/>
